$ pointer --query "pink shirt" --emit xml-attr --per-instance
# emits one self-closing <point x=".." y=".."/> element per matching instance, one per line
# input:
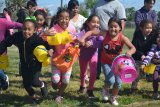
<point x="4" y="25"/>
<point x="61" y="48"/>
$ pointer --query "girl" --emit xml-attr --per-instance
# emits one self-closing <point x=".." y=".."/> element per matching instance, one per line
<point x="111" y="47"/>
<point x="60" y="79"/>
<point x="41" y="17"/>
<point x="77" y="20"/>
<point x="142" y="40"/>
<point x="154" y="55"/>
<point x="88" y="54"/>
<point x="27" y="41"/>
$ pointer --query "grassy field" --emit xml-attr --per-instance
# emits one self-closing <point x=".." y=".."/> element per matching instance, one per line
<point x="16" y="96"/>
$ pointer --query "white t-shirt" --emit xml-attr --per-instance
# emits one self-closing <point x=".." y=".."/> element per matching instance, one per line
<point x="78" y="24"/>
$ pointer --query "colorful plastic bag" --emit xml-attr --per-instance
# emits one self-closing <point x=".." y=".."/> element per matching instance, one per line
<point x="150" y="68"/>
<point x="65" y="61"/>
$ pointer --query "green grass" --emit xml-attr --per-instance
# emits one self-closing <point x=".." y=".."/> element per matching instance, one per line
<point x="16" y="96"/>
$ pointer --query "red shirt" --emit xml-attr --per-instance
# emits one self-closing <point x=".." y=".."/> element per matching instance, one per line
<point x="111" y="49"/>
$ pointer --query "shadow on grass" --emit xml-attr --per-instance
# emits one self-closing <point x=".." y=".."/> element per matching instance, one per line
<point x="15" y="100"/>
<point x="146" y="94"/>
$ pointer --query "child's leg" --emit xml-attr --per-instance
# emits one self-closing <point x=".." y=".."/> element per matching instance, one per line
<point x="93" y="71"/>
<point x="99" y="64"/>
<point x="140" y="75"/>
<point x="155" y="82"/>
<point x="65" y="81"/>
<point x="83" y="71"/>
<point x="117" y="85"/>
<point x="55" y="78"/>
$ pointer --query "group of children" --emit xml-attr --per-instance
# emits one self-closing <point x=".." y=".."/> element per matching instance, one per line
<point x="90" y="39"/>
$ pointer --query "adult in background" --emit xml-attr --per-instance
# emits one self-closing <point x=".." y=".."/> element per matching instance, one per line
<point x="106" y="9"/>
<point x="77" y="19"/>
<point x="146" y="12"/>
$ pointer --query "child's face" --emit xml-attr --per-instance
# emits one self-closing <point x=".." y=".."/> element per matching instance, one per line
<point x="40" y="20"/>
<point x="75" y="10"/>
<point x="94" y="23"/>
<point x="147" y="29"/>
<point x="158" y="39"/>
<point x="114" y="29"/>
<point x="63" y="20"/>
<point x="32" y="9"/>
<point x="28" y="29"/>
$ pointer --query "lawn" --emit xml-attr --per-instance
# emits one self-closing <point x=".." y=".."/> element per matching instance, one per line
<point x="16" y="96"/>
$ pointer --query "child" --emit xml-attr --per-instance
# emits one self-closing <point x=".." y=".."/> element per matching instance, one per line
<point x="154" y="55"/>
<point x="4" y="81"/>
<point x="60" y="79"/>
<point x="27" y="41"/>
<point x="89" y="54"/>
<point x="111" y="47"/>
<point x="41" y="17"/>
<point x="142" y="40"/>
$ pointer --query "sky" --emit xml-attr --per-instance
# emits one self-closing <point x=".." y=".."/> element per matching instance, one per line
<point x="53" y="4"/>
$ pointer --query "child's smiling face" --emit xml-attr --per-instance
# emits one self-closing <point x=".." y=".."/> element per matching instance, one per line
<point x="147" y="29"/>
<point x="94" y="23"/>
<point x="40" y="20"/>
<point x="114" y="29"/>
<point x="28" y="29"/>
<point x="63" y="20"/>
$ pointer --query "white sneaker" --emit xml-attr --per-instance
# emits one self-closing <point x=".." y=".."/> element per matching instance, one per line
<point x="105" y="94"/>
<point x="114" y="101"/>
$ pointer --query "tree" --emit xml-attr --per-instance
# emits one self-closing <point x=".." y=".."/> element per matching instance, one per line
<point x="86" y="7"/>
<point x="130" y="13"/>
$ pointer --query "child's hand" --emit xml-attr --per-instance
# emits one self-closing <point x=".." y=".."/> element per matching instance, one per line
<point x="88" y="44"/>
<point x="142" y="57"/>
<point x="50" y="32"/>
<point x="142" y="67"/>
<point x="128" y="54"/>
<point x="50" y="52"/>
<point x="81" y="41"/>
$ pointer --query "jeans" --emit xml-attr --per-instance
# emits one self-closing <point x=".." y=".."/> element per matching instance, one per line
<point x="110" y="78"/>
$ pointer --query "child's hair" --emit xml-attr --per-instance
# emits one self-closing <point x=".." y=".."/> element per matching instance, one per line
<point x="61" y="10"/>
<point x="149" y="1"/>
<point x="9" y="13"/>
<point x="31" y="3"/>
<point x="85" y="24"/>
<point x="72" y="4"/>
<point x="32" y="21"/>
<point x="145" y="22"/>
<point x="53" y="21"/>
<point x="43" y="13"/>
<point x="116" y="20"/>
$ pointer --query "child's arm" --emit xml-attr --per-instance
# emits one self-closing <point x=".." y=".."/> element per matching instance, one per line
<point x="90" y="33"/>
<point x="13" y="25"/>
<point x="131" y="47"/>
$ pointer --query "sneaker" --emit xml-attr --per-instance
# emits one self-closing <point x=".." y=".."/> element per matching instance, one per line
<point x="156" y="96"/>
<point x="44" y="90"/>
<point x="35" y="101"/>
<point x="105" y="94"/>
<point x="6" y="83"/>
<point x="114" y="101"/>
<point x="58" y="99"/>
<point x="90" y="94"/>
<point x="81" y="89"/>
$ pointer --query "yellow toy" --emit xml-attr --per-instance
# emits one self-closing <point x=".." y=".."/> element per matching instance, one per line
<point x="59" y="38"/>
<point x="3" y="61"/>
<point x="41" y="53"/>
<point x="46" y="62"/>
<point x="150" y="68"/>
